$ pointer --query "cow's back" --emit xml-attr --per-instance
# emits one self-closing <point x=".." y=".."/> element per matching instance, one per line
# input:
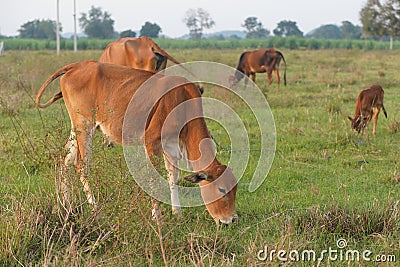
<point x="114" y="53"/>
<point x="100" y="93"/>
<point x="131" y="52"/>
<point x="371" y="97"/>
<point x="248" y="62"/>
<point x="256" y="60"/>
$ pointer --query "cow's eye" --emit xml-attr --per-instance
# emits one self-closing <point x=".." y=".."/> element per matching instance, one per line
<point x="222" y="190"/>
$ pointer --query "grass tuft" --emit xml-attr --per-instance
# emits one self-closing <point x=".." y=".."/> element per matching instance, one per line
<point x="378" y="219"/>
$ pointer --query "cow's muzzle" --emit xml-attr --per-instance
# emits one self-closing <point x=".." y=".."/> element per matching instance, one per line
<point x="234" y="218"/>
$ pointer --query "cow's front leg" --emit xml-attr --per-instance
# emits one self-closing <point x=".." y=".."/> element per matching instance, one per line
<point x="269" y="73"/>
<point x="252" y="76"/>
<point x="154" y="153"/>
<point x="171" y="165"/>
<point x="155" y="212"/>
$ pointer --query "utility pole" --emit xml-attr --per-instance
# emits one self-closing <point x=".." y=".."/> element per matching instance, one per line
<point x="75" y="41"/>
<point x="58" y="27"/>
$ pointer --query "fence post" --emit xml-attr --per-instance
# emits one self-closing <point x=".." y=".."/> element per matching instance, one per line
<point x="1" y="48"/>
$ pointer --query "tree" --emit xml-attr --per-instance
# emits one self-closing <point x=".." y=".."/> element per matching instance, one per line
<point x="251" y="23"/>
<point x="372" y="20"/>
<point x="255" y="28"/>
<point x="197" y="20"/>
<point x="287" y="28"/>
<point x="127" y="33"/>
<point x="380" y="20"/>
<point x="39" y="29"/>
<point x="151" y="30"/>
<point x="350" y="31"/>
<point x="328" y="31"/>
<point x="391" y="19"/>
<point x="97" y="24"/>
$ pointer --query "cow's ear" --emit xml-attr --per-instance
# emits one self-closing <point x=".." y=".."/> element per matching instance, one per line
<point x="350" y="118"/>
<point x="196" y="177"/>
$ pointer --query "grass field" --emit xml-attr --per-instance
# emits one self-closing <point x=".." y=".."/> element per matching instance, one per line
<point x="326" y="184"/>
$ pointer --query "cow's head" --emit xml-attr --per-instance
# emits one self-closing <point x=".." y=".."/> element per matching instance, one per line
<point x="200" y="87"/>
<point x="218" y="188"/>
<point x="358" y="123"/>
<point x="234" y="79"/>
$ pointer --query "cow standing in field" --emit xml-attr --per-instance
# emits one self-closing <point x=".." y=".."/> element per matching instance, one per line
<point x="259" y="61"/>
<point x="98" y="95"/>
<point x="139" y="53"/>
<point x="368" y="100"/>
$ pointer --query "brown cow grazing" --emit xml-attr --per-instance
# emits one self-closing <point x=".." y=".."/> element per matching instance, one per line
<point x="368" y="100"/>
<point x="108" y="89"/>
<point x="259" y="61"/>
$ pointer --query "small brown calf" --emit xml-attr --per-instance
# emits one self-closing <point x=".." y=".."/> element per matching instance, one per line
<point x="367" y="100"/>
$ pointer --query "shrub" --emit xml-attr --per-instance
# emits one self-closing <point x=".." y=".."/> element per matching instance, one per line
<point x="279" y="42"/>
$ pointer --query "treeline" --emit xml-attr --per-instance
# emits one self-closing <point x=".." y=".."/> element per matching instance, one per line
<point x="278" y="42"/>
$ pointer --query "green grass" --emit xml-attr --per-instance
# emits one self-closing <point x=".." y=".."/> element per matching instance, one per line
<point x="326" y="182"/>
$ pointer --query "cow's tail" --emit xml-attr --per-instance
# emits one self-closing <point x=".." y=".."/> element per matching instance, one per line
<point x="384" y="111"/>
<point x="57" y="96"/>
<point x="284" y="73"/>
<point x="383" y="107"/>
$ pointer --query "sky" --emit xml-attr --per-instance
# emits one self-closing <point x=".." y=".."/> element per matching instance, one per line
<point x="169" y="14"/>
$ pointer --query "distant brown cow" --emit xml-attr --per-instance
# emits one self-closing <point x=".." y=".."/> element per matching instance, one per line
<point x="259" y="61"/>
<point x="367" y="100"/>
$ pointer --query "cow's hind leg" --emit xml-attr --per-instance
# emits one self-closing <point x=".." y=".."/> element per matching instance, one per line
<point x="253" y="76"/>
<point x="278" y="78"/>
<point x="84" y="141"/>
<point x="376" y="113"/>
